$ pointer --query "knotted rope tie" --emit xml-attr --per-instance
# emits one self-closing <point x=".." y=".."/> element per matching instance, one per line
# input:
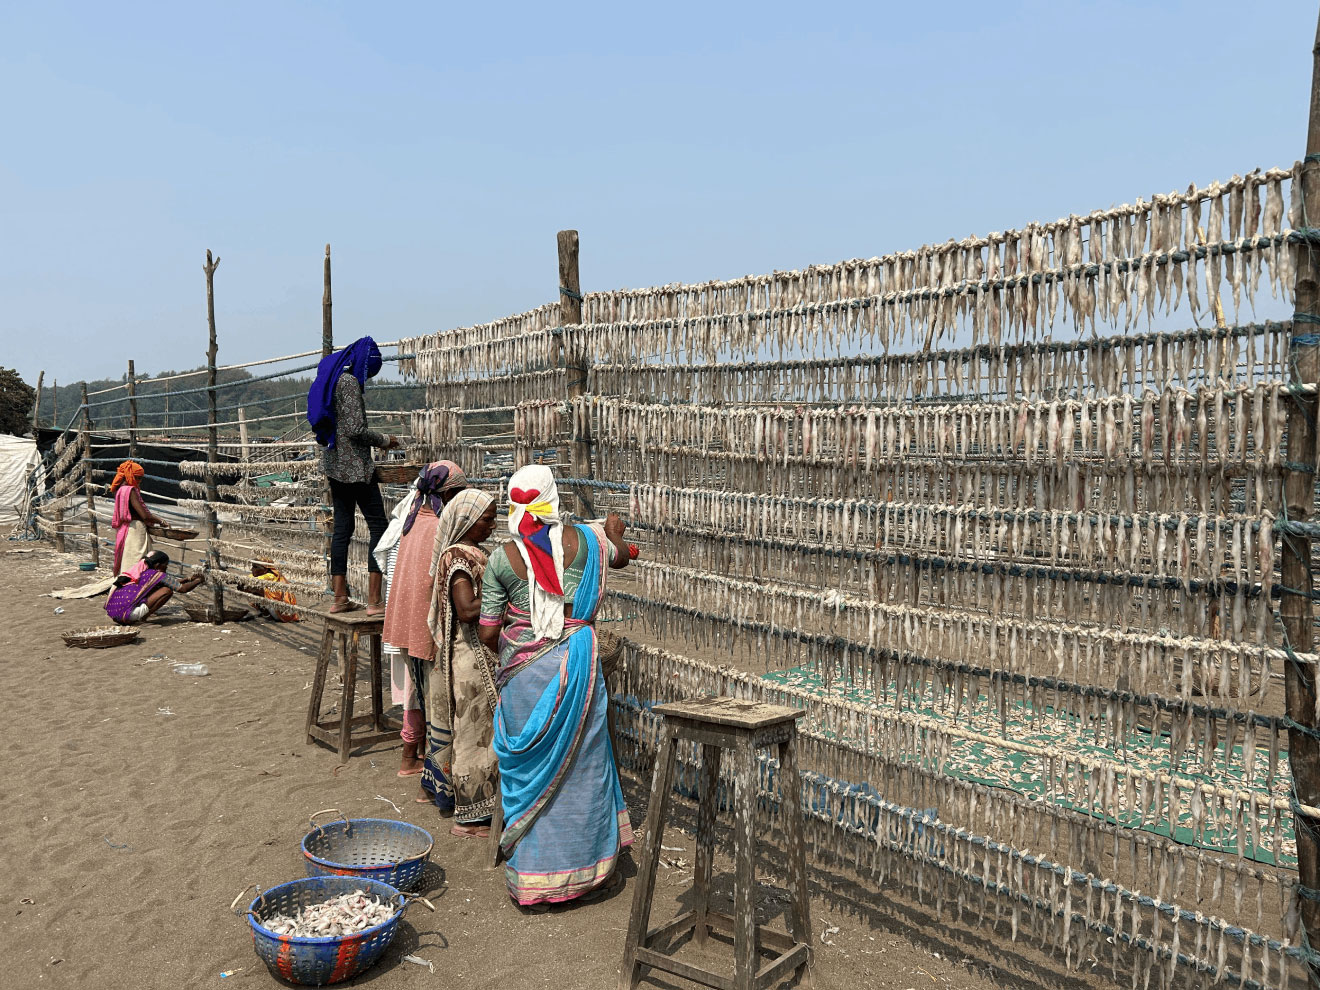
<point x="566" y="291"/>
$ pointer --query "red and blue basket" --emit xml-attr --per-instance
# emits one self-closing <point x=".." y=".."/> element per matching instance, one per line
<point x="379" y="849"/>
<point x="317" y="962"/>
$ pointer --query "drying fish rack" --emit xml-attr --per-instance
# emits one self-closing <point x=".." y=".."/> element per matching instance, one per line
<point x="319" y="961"/>
<point x="378" y="849"/>
<point x="100" y="639"/>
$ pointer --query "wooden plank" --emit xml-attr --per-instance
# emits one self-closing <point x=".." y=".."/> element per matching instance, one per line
<point x="662" y="782"/>
<point x="377" y="681"/>
<point x="649" y="957"/>
<point x="769" y="940"/>
<point x="318" y="681"/>
<point x="771" y="972"/>
<point x="682" y="923"/>
<point x="730" y="711"/>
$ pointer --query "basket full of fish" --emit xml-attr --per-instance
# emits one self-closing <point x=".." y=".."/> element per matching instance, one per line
<point x="325" y="929"/>
<point x="379" y="849"/>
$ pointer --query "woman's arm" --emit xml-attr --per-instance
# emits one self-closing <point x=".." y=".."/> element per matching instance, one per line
<point x="467" y="606"/>
<point x="138" y="509"/>
<point x="494" y="599"/>
<point x="614" y="530"/>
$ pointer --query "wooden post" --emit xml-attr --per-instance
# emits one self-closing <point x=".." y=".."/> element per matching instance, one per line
<point x="167" y="408"/>
<point x="324" y="519"/>
<point x="575" y="364"/>
<point x="132" y="411"/>
<point x="327" y="321"/>
<point x="212" y="436"/>
<point x="242" y="432"/>
<point x="36" y="409"/>
<point x="1295" y="558"/>
<point x="55" y="403"/>
<point x="87" y="476"/>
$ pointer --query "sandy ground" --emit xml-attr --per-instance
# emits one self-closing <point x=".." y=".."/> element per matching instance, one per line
<point x="138" y="802"/>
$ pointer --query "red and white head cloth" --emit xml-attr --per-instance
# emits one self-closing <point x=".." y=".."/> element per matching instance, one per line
<point x="539" y="535"/>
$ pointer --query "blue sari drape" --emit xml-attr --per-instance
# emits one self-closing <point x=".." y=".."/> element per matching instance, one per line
<point x="565" y="820"/>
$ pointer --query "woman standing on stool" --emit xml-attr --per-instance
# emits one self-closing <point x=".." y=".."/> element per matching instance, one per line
<point x="338" y="413"/>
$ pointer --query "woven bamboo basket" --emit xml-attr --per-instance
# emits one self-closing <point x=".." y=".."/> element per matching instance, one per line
<point x="397" y="472"/>
<point x="100" y="638"/>
<point x="206" y="612"/>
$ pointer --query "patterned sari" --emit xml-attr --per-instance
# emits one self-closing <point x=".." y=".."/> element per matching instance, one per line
<point x="565" y="822"/>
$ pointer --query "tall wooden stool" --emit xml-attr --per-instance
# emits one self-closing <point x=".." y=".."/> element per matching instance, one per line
<point x="345" y="630"/>
<point x="744" y="727"/>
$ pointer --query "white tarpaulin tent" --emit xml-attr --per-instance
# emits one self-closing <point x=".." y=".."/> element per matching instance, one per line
<point x="18" y="455"/>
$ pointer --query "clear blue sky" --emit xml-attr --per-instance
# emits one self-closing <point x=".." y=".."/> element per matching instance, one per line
<point x="438" y="147"/>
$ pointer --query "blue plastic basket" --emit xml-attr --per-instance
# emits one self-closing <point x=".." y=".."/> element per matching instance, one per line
<point x="378" y="849"/>
<point x="319" y="961"/>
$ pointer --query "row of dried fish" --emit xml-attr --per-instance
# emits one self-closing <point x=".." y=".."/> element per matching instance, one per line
<point x="346" y="914"/>
<point x="494" y="392"/>
<point x="751" y="616"/>
<point x="1016" y="282"/>
<point x="1093" y="366"/>
<point x="1182" y="545"/>
<point x="1219" y="426"/>
<point x="1118" y="488"/>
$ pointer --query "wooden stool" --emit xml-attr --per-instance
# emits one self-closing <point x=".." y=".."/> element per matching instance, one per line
<point x="744" y="727"/>
<point x="348" y="628"/>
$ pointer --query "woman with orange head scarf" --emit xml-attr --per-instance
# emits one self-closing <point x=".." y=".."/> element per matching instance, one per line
<point x="131" y="516"/>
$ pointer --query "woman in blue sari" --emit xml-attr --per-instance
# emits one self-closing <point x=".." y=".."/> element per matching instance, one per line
<point x="565" y="823"/>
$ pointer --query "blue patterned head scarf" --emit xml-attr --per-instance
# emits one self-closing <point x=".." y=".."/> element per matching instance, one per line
<point x="362" y="358"/>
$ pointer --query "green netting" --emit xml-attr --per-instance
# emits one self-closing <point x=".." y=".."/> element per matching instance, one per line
<point x="985" y="763"/>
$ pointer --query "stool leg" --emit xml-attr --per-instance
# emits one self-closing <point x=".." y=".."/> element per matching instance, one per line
<point x="318" y="681"/>
<point x="662" y="782"/>
<point x="744" y="839"/>
<point x="790" y="796"/>
<point x="377" y="683"/>
<point x="708" y="799"/>
<point x="348" y="657"/>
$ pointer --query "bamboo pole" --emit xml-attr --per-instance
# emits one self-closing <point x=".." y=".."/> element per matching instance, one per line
<point x="243" y="432"/>
<point x="327" y="305"/>
<point x="570" y="314"/>
<point x="1299" y="497"/>
<point x="86" y="432"/>
<point x="323" y="518"/>
<point x="36" y="409"/>
<point x="132" y="411"/>
<point x="212" y="452"/>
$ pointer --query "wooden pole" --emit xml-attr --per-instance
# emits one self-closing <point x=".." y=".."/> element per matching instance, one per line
<point x="327" y="305"/>
<point x="324" y="519"/>
<point x="36" y="409"/>
<point x="212" y="452"/>
<point x="575" y="364"/>
<point x="167" y="407"/>
<point x="54" y="403"/>
<point x="132" y="411"/>
<point x="242" y="432"/>
<point x="87" y="476"/>
<point x="1295" y="558"/>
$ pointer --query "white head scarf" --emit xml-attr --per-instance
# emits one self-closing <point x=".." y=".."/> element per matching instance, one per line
<point x="534" y="499"/>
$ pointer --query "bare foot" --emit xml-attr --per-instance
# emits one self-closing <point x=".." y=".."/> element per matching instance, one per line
<point x="410" y="765"/>
<point x="423" y="797"/>
<point x="471" y="831"/>
<point x="346" y="605"/>
<point x="378" y="608"/>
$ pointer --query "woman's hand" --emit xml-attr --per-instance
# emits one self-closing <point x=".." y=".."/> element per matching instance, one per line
<point x="392" y="442"/>
<point x="614" y="527"/>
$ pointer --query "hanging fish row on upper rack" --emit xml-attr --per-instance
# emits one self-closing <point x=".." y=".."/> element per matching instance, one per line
<point x="1111" y="266"/>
